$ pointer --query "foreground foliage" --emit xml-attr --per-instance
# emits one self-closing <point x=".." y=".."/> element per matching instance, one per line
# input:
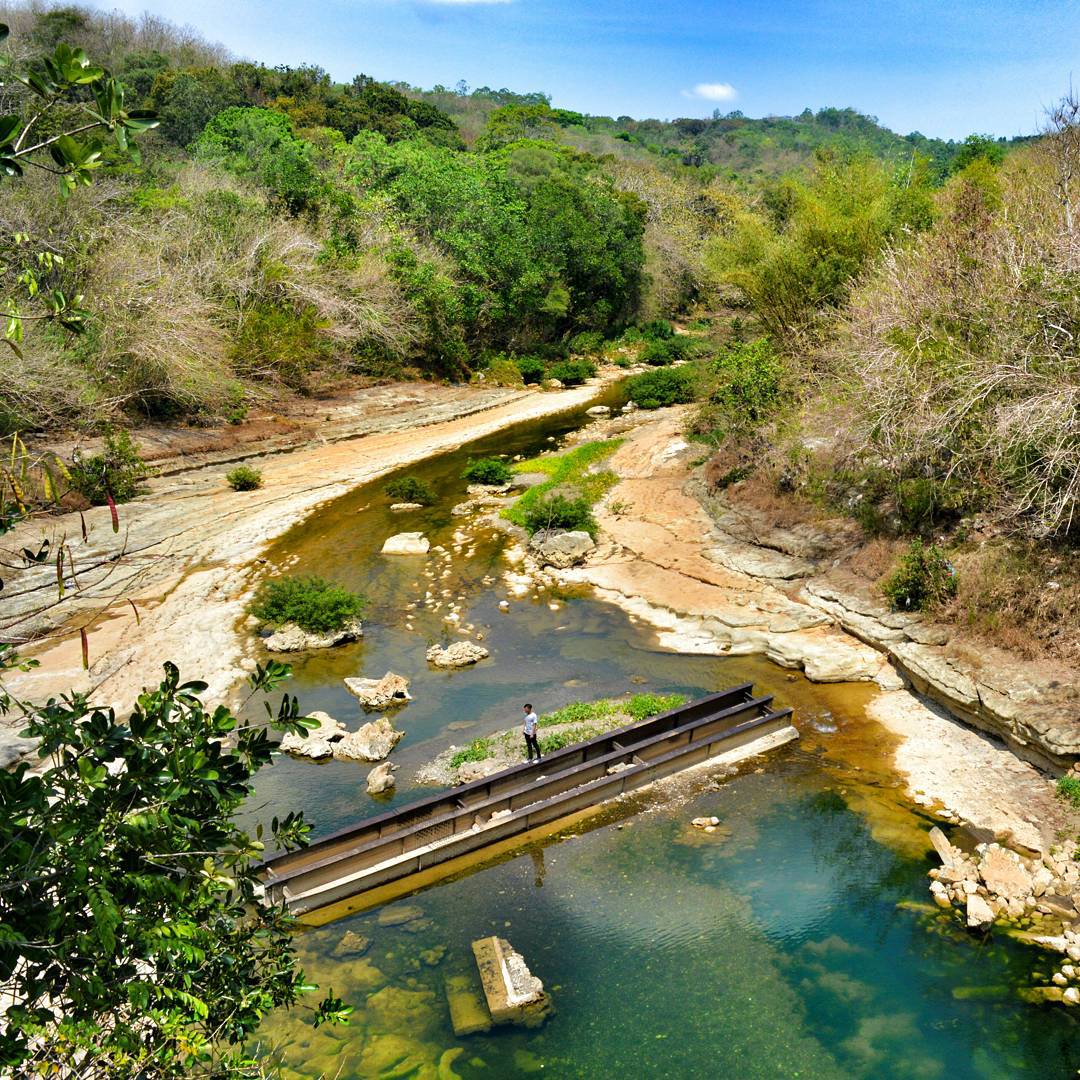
<point x="132" y="942"/>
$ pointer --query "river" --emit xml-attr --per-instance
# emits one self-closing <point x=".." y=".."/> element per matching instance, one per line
<point x="796" y="941"/>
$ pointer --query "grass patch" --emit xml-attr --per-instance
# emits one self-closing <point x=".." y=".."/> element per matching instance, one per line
<point x="572" y="469"/>
<point x="116" y="472"/>
<point x="313" y="603"/>
<point x="1068" y="788"/>
<point x="579" y="712"/>
<point x="558" y="740"/>
<point x="477" y="750"/>
<point x="642" y="706"/>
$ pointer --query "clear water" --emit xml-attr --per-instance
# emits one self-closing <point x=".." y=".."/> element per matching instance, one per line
<point x="794" y="942"/>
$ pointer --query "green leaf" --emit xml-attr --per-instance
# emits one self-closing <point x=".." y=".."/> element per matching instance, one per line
<point x="10" y="126"/>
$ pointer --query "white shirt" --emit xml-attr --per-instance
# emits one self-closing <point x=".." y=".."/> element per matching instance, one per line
<point x="530" y="723"/>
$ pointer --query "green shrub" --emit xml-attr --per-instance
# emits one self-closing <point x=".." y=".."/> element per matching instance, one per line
<point x="741" y="388"/>
<point x="276" y="342"/>
<point x="658" y="330"/>
<point x="532" y="368"/>
<point x="488" y="471"/>
<point x="923" y="578"/>
<point x="624" y="361"/>
<point x="1068" y="788"/>
<point x="410" y="489"/>
<point x="587" y="342"/>
<point x="477" y="750"/>
<point x="313" y="603"/>
<point x="642" y="706"/>
<point x="115" y="472"/>
<point x="559" y="512"/>
<point x="244" y="478"/>
<point x="665" y="386"/>
<point x="503" y="370"/>
<point x="572" y="372"/>
<point x="656" y="354"/>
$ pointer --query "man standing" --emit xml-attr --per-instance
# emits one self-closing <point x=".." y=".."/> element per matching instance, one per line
<point x="531" y="741"/>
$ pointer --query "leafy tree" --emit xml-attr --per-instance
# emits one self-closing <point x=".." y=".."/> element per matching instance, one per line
<point x="188" y="98"/>
<point x="664" y="386"/>
<point x="259" y="143"/>
<point x="975" y="147"/>
<point x="134" y="943"/>
<point x="75" y="151"/>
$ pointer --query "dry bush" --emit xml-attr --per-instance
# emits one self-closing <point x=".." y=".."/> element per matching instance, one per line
<point x="874" y="559"/>
<point x="675" y="229"/>
<point x="960" y="355"/>
<point x="1022" y="596"/>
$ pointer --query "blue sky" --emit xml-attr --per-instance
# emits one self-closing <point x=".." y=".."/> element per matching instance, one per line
<point x="943" y="67"/>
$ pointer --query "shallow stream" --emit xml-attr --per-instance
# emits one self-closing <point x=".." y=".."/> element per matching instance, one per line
<point x="796" y="941"/>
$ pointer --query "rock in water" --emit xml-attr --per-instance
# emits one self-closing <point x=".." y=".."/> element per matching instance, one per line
<point x="460" y="654"/>
<point x="979" y="913"/>
<point x="411" y="543"/>
<point x="514" y="994"/>
<point x="372" y="742"/>
<point x="598" y="410"/>
<point x="291" y="638"/>
<point x="468" y="1013"/>
<point x="406" y="506"/>
<point x="316" y="743"/>
<point x="381" y="778"/>
<point x="352" y="944"/>
<point x="561" y="549"/>
<point x="381" y="693"/>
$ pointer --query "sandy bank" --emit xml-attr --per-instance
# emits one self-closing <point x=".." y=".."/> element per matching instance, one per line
<point x="187" y="550"/>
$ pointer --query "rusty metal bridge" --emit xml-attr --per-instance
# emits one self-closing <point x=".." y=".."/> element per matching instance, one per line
<point x="393" y="853"/>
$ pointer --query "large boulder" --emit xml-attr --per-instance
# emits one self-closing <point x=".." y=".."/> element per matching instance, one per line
<point x="381" y="693"/>
<point x="291" y="638"/>
<point x="459" y="654"/>
<point x="371" y="742"/>
<point x="381" y="778"/>
<point x="316" y="743"/>
<point x="410" y="543"/>
<point x="561" y="549"/>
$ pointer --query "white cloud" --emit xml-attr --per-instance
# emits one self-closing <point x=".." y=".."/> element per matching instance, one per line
<point x="717" y="91"/>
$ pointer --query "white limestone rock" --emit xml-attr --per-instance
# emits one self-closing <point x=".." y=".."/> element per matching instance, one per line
<point x="459" y="654"/>
<point x="409" y="543"/>
<point x="381" y="778"/>
<point x="390" y="690"/>
<point x="318" y="742"/>
<point x="289" y="637"/>
<point x="371" y="742"/>
<point x="979" y="913"/>
<point x="561" y="549"/>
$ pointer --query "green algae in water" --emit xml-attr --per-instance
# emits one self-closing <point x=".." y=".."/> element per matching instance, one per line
<point x="777" y="950"/>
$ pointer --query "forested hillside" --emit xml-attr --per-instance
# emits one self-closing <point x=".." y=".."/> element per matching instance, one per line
<point x="734" y="146"/>
<point x="283" y="231"/>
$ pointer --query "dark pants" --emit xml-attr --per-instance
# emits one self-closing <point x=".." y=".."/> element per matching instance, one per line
<point x="532" y="743"/>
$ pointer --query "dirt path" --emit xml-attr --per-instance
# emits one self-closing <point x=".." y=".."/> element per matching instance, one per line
<point x="186" y="553"/>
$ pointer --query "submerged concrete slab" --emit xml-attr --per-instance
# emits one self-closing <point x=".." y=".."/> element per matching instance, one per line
<point x="514" y="995"/>
<point x="468" y="1012"/>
